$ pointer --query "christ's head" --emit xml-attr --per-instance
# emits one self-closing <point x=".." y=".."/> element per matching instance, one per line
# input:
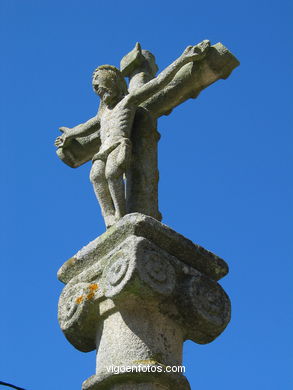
<point x="109" y="84"/>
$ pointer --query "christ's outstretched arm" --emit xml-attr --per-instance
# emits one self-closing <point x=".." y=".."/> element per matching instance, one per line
<point x="81" y="130"/>
<point x="190" y="54"/>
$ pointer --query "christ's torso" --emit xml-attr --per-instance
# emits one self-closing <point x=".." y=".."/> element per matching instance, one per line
<point x="116" y="124"/>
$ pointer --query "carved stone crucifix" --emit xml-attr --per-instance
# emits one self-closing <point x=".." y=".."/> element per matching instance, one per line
<point x="122" y="138"/>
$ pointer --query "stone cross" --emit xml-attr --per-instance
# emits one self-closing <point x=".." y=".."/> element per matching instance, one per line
<point x="121" y="140"/>
<point x="138" y="291"/>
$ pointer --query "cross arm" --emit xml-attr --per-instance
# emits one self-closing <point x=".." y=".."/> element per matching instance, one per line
<point x="191" y="79"/>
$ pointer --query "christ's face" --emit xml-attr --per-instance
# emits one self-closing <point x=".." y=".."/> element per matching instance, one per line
<point x="105" y="87"/>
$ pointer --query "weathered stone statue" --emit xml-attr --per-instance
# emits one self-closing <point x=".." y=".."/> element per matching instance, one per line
<point x="138" y="291"/>
<point x="125" y="126"/>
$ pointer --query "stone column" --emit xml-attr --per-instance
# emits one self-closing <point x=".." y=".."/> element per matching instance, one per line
<point x="135" y="294"/>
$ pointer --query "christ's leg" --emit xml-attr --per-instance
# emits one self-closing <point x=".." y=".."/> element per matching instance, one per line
<point x="98" y="179"/>
<point x="116" y="165"/>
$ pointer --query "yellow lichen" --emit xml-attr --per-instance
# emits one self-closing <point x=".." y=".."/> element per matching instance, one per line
<point x="93" y="287"/>
<point x="79" y="300"/>
<point x="71" y="261"/>
<point x="90" y="295"/>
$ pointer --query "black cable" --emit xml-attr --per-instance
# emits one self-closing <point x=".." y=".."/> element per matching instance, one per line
<point x="12" y="386"/>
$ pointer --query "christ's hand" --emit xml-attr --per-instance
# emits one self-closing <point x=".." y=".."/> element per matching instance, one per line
<point x="63" y="139"/>
<point x="197" y="52"/>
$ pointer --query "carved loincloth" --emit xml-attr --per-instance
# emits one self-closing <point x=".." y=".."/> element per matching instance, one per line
<point x="103" y="154"/>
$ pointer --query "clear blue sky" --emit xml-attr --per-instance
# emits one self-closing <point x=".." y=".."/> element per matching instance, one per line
<point x="224" y="176"/>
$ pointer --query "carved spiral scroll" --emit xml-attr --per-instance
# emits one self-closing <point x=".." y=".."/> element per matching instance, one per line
<point x="157" y="273"/>
<point x="117" y="272"/>
<point x="117" y="275"/>
<point x="209" y="303"/>
<point x="71" y="304"/>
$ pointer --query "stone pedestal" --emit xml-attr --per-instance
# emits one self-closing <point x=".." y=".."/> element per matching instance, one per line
<point x="135" y="294"/>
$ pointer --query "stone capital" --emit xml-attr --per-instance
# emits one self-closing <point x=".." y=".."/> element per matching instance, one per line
<point x="136" y="293"/>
